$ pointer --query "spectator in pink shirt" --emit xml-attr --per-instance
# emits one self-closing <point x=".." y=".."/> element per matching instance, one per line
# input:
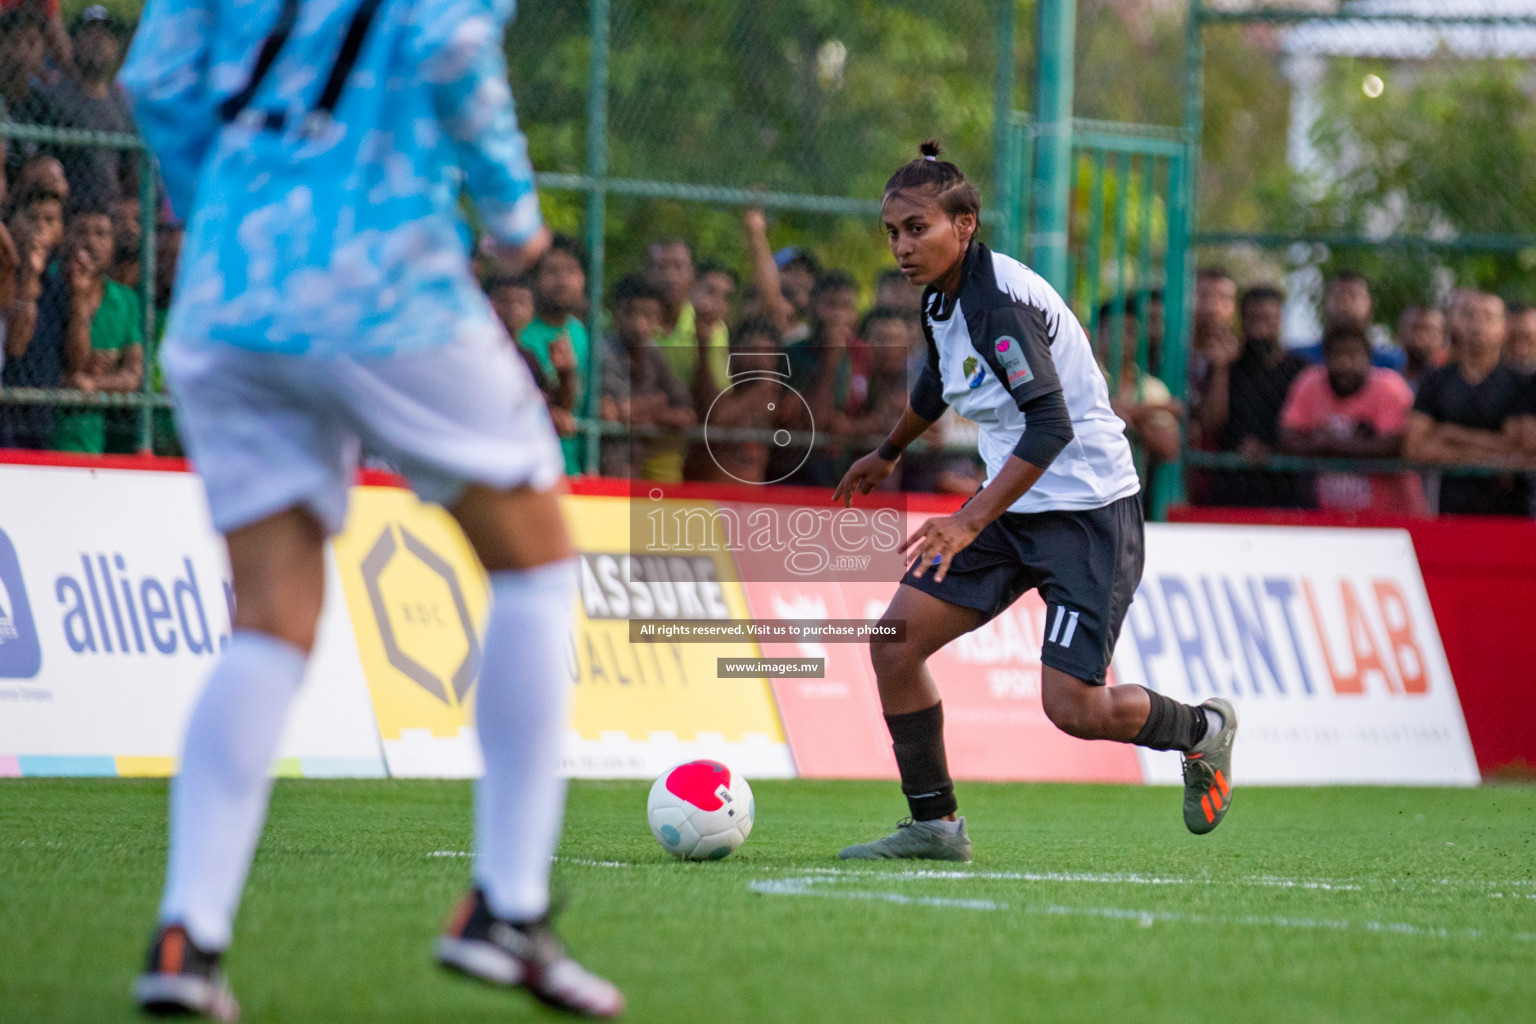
<point x="1346" y="408"/>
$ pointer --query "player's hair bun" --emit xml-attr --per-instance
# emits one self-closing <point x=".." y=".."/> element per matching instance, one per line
<point x="937" y="177"/>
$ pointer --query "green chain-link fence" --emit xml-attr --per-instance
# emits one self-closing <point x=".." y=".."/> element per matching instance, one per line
<point x="1384" y="137"/>
<point x="1388" y="138"/>
<point x="666" y="118"/>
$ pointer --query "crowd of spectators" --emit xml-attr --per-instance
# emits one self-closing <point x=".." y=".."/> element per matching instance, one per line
<point x="70" y="233"/>
<point x="764" y="360"/>
<point x="787" y="349"/>
<point x="1454" y="392"/>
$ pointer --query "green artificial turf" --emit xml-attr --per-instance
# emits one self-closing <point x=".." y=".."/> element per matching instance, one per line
<point x="1085" y="903"/>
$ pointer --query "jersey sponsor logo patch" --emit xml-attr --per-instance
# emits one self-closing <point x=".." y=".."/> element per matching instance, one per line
<point x="974" y="371"/>
<point x="1011" y="354"/>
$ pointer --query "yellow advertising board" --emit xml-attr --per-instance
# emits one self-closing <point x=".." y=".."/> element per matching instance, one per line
<point x="417" y="597"/>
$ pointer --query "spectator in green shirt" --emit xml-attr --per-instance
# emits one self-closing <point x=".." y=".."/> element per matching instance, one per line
<point x="671" y="272"/>
<point x="556" y="337"/>
<point x="104" y="337"/>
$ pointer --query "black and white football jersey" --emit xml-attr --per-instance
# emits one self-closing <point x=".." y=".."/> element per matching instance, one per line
<point x="1009" y="338"/>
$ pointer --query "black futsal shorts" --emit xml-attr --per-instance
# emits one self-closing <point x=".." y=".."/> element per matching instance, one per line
<point x="1086" y="565"/>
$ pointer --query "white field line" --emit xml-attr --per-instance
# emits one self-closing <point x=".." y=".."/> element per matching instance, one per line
<point x="816" y="885"/>
<point x="1118" y="878"/>
<point x="1105" y="878"/>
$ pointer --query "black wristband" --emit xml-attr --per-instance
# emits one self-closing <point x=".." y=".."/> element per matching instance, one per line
<point x="887" y="451"/>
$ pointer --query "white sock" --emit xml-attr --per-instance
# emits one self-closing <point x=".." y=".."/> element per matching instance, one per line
<point x="219" y="801"/>
<point x="520" y="713"/>
<point x="949" y="828"/>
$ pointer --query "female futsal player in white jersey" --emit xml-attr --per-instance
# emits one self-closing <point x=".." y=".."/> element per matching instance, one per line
<point x="1059" y="513"/>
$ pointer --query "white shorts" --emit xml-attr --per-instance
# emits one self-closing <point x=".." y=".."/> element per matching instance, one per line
<point x="268" y="432"/>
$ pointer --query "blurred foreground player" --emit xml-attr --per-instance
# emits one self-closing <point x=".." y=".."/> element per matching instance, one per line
<point x="1059" y="513"/>
<point x="325" y="302"/>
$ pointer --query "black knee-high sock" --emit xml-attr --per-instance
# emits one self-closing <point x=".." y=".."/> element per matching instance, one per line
<point x="918" y="739"/>
<point x="1171" y="725"/>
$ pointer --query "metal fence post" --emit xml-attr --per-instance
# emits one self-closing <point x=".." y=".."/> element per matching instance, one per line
<point x="1005" y="171"/>
<point x="597" y="217"/>
<point x="1053" y="115"/>
<point x="1183" y="175"/>
<point x="148" y="224"/>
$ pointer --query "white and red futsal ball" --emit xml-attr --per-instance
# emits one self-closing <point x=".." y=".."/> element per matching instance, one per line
<point x="700" y="811"/>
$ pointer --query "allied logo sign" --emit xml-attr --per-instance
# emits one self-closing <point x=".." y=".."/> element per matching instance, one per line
<point x="424" y="621"/>
<point x="20" y="654"/>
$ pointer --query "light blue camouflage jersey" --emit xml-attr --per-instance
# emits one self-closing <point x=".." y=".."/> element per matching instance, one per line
<point x="346" y="240"/>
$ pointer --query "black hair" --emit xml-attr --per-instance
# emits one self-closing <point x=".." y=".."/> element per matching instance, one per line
<point x="1214" y="271"/>
<point x="882" y="313"/>
<point x="891" y="274"/>
<point x="756" y="326"/>
<point x="833" y="281"/>
<point x="716" y="267"/>
<point x="632" y="288"/>
<point x="667" y="242"/>
<point x="1345" y="276"/>
<point x="498" y="280"/>
<point x="1261" y="293"/>
<point x="1131" y="303"/>
<point x="19" y="18"/>
<point x="805" y="261"/>
<point x="945" y="182"/>
<point x="1514" y="308"/>
<point x="83" y="206"/>
<point x="1340" y="333"/>
<point x="567" y="245"/>
<point x="36" y="192"/>
<point x="103" y="21"/>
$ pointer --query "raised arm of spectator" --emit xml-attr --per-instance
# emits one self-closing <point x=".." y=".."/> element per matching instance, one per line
<point x="562" y="393"/>
<point x="459" y="50"/>
<point x="166" y="76"/>
<point x="1214" y="406"/>
<point x="21" y="312"/>
<point x="85" y="295"/>
<point x="56" y="38"/>
<point x="765" y="272"/>
<point x="10" y="265"/>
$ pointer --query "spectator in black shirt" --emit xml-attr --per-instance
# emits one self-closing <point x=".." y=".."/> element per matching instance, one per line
<point x="21" y="61"/>
<point x="39" y="364"/>
<point x="1520" y="338"/>
<point x="98" y="174"/>
<point x="1240" y="406"/>
<point x="1421" y="335"/>
<point x="1466" y="412"/>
